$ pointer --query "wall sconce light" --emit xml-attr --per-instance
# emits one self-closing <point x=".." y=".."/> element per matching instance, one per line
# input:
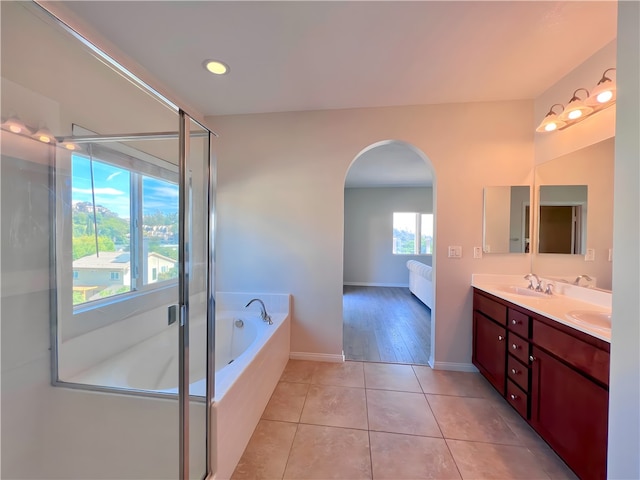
<point x="579" y="108"/>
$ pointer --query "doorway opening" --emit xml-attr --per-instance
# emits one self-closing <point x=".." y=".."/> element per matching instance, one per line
<point x="389" y="220"/>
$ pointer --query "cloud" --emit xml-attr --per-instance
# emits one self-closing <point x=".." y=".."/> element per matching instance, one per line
<point x="113" y="175"/>
<point x="167" y="192"/>
<point x="99" y="191"/>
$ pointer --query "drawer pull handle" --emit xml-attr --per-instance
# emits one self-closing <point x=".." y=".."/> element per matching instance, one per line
<point x="500" y="337"/>
<point x="513" y="397"/>
<point x="514" y="322"/>
<point x="514" y="371"/>
<point x="532" y="358"/>
<point x="514" y="346"/>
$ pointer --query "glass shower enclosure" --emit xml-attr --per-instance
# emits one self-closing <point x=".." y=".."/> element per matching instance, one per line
<point x="107" y="193"/>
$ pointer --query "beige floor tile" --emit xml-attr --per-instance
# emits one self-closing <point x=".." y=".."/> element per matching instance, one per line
<point x="266" y="454"/>
<point x="387" y="376"/>
<point x="325" y="452"/>
<point x="474" y="419"/>
<point x="490" y="461"/>
<point x="299" y="371"/>
<point x="286" y="402"/>
<point x="399" y="457"/>
<point x="401" y="412"/>
<point x="444" y="382"/>
<point x="346" y="374"/>
<point x="552" y="463"/>
<point x="335" y="406"/>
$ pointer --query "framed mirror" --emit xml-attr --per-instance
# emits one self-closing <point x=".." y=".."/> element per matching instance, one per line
<point x="584" y="177"/>
<point x="506" y="225"/>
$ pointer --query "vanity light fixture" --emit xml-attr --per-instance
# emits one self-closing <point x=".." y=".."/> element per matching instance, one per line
<point x="551" y="121"/>
<point x="576" y="107"/>
<point x="581" y="105"/>
<point x="216" y="67"/>
<point x="604" y="92"/>
<point x="44" y="135"/>
<point x="15" y="125"/>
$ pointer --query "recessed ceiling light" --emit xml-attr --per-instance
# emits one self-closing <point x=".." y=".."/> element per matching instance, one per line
<point x="216" y="67"/>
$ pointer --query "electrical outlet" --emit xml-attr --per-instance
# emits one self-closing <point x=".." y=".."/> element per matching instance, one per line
<point x="477" y="252"/>
<point x="455" y="251"/>
<point x="590" y="256"/>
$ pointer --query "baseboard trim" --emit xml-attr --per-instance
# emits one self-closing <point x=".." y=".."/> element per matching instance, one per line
<point x="455" y="367"/>
<point x="317" y="357"/>
<point x="365" y="284"/>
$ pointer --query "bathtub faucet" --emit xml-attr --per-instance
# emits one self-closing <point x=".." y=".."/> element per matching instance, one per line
<point x="263" y="313"/>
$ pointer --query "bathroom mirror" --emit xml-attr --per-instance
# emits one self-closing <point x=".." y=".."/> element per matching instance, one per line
<point x="586" y="177"/>
<point x="562" y="219"/>
<point x="505" y="226"/>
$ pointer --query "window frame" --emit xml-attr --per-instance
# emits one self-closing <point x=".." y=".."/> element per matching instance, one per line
<point x="82" y="318"/>
<point x="417" y="244"/>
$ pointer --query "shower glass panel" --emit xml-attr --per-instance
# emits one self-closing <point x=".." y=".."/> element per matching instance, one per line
<point x="198" y="172"/>
<point x="90" y="264"/>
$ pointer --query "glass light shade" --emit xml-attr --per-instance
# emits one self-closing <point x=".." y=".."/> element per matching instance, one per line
<point x="550" y="123"/>
<point x="575" y="110"/>
<point x="603" y="93"/>
<point x="45" y="136"/>
<point x="15" y="125"/>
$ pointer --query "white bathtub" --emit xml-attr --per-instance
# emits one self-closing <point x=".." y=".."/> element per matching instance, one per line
<point x="152" y="365"/>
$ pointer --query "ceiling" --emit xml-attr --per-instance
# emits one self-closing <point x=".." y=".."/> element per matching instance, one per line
<point x="298" y="55"/>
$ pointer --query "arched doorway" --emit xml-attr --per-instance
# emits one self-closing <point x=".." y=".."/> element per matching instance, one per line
<point x="389" y="218"/>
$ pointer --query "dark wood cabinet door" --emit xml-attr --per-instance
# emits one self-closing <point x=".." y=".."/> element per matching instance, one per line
<point x="489" y="350"/>
<point x="570" y="412"/>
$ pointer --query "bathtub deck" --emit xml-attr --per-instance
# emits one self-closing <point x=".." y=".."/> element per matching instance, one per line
<point x="385" y="324"/>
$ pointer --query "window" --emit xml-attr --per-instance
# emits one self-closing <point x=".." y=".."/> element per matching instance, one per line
<point x="409" y="226"/>
<point x="121" y="217"/>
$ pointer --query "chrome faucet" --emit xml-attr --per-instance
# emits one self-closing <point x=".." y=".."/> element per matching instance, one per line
<point x="579" y="277"/>
<point x="530" y="277"/>
<point x="263" y="312"/>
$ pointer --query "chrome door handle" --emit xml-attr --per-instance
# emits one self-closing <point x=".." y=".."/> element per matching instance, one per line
<point x="500" y="338"/>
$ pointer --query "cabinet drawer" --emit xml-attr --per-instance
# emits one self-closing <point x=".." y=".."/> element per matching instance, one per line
<point x="492" y="309"/>
<point x="518" y="322"/>
<point x="518" y="372"/>
<point x="581" y="355"/>
<point x="518" y="347"/>
<point x="517" y="398"/>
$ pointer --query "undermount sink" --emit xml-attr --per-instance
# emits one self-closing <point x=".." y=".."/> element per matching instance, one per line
<point x="599" y="320"/>
<point x="525" y="292"/>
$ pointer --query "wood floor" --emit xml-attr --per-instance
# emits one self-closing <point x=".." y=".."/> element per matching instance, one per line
<point x="385" y="324"/>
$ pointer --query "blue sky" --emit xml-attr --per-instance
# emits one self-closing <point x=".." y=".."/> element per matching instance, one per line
<point x="111" y="186"/>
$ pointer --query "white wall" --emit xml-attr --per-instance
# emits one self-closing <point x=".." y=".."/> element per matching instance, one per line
<point x="624" y="399"/>
<point x="368" y="233"/>
<point x="497" y="219"/>
<point x="281" y="205"/>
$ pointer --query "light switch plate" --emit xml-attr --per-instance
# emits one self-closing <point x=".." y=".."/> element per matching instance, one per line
<point x="477" y="252"/>
<point x="611" y="254"/>
<point x="590" y="256"/>
<point x="455" y="251"/>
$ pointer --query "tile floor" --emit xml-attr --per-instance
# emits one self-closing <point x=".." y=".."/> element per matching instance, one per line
<point x="359" y="420"/>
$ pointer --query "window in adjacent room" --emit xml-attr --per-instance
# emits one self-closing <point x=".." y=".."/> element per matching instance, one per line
<point x="412" y="233"/>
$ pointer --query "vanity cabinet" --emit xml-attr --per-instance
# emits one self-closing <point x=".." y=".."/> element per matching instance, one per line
<point x="555" y="377"/>
<point x="489" y="340"/>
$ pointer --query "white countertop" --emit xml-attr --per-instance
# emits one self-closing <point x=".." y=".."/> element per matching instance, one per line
<point x="555" y="306"/>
